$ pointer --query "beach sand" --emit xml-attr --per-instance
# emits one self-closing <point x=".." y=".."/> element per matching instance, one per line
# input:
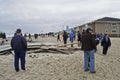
<point x="49" y="66"/>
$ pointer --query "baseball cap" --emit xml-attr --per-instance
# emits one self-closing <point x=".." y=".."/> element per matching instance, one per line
<point x="18" y="30"/>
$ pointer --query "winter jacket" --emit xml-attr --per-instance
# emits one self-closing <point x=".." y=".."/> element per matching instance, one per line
<point x="88" y="42"/>
<point x="72" y="35"/>
<point x="65" y="36"/>
<point x="105" y="43"/>
<point x="79" y="36"/>
<point x="18" y="42"/>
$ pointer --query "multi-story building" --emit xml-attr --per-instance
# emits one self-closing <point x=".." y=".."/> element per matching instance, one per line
<point x="107" y="25"/>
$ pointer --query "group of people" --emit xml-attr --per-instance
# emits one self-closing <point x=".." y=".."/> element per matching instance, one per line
<point x="30" y="36"/>
<point x="87" y="40"/>
<point x="71" y="36"/>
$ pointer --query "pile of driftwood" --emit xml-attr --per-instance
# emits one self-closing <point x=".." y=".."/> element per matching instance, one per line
<point x="52" y="49"/>
<point x="49" y="49"/>
<point x="34" y="48"/>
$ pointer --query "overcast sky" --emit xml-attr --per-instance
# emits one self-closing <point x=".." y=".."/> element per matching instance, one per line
<point x="38" y="16"/>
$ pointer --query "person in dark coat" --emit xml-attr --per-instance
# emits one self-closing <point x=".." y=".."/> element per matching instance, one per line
<point x="83" y="32"/>
<point x="4" y="37"/>
<point x="25" y="35"/>
<point x="58" y="37"/>
<point x="106" y="43"/>
<point x="89" y="48"/>
<point x="36" y="36"/>
<point x="30" y="38"/>
<point x="79" y="38"/>
<point x="19" y="45"/>
<point x="65" y="36"/>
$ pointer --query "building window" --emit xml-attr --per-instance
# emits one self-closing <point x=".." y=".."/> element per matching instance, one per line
<point x="114" y="24"/>
<point x="114" y="31"/>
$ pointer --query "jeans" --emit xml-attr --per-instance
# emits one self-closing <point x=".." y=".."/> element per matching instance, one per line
<point x="87" y="55"/>
<point x="19" y="54"/>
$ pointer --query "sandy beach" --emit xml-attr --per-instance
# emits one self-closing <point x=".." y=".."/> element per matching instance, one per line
<point x="56" y="66"/>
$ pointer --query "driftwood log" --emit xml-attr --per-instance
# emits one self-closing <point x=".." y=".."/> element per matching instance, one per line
<point x="50" y="50"/>
<point x="66" y="44"/>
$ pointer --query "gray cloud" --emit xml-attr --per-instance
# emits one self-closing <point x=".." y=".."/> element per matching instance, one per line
<point x="46" y="16"/>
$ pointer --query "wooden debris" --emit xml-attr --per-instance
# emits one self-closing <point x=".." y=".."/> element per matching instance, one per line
<point x="37" y="48"/>
<point x="66" y="44"/>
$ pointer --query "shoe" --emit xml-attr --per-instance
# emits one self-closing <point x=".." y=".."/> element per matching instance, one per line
<point x="17" y="70"/>
<point x="86" y="70"/>
<point x="93" y="72"/>
<point x="23" y="69"/>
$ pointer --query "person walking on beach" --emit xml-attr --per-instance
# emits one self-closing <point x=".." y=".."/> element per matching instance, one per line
<point x="79" y="38"/>
<point x="30" y="38"/>
<point x="4" y="37"/>
<point x="25" y="35"/>
<point x="19" y="45"/>
<point x="89" y="48"/>
<point x="72" y="37"/>
<point x="65" y="36"/>
<point x="36" y="36"/>
<point x="58" y="37"/>
<point x="105" y="43"/>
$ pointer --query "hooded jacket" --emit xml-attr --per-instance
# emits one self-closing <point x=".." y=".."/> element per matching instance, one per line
<point x="72" y="35"/>
<point x="18" y="42"/>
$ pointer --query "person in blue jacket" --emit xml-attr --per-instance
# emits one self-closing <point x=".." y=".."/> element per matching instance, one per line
<point x="19" y="45"/>
<point x="72" y="37"/>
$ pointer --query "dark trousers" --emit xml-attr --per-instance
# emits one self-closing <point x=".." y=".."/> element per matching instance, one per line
<point x="65" y="42"/>
<point x="105" y="49"/>
<point x="19" y="54"/>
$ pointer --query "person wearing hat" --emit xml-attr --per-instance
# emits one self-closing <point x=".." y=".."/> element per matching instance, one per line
<point x="19" y="45"/>
<point x="89" y="48"/>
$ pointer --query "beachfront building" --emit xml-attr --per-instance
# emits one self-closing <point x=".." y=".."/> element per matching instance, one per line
<point x="104" y="25"/>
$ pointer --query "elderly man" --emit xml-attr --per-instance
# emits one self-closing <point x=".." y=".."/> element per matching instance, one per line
<point x="89" y="48"/>
<point x="19" y="45"/>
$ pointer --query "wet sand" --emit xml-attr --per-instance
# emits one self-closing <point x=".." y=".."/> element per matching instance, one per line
<point x="49" y="66"/>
